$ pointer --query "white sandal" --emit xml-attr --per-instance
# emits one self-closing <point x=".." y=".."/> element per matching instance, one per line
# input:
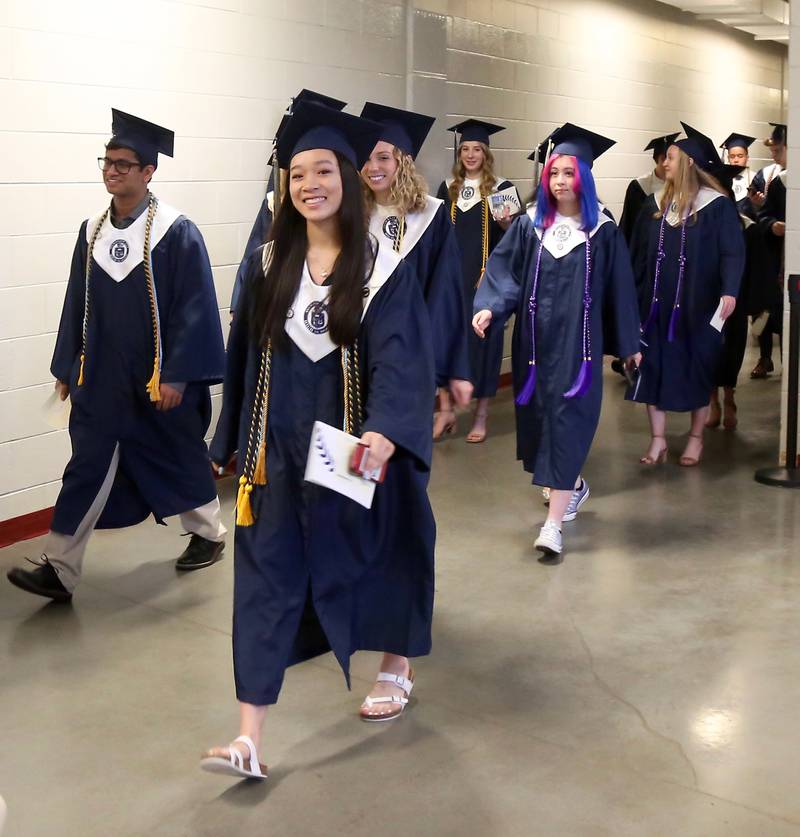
<point x="398" y="702"/>
<point x="234" y="764"/>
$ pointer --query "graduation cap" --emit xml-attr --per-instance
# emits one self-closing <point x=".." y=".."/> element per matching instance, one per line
<point x="312" y="125"/>
<point x="778" y="135"/>
<point x="539" y="154"/>
<point x="725" y="174"/>
<point x="700" y="148"/>
<point x="474" y="130"/>
<point x="578" y="142"/>
<point x="147" y="139"/>
<point x="659" y="145"/>
<point x="404" y="129"/>
<point x="737" y="141"/>
<point x="309" y="96"/>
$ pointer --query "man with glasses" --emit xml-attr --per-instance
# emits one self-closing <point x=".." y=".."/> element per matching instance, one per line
<point x="139" y="344"/>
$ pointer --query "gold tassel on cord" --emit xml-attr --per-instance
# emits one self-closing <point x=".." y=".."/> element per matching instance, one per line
<point x="80" y="373"/>
<point x="154" y="384"/>
<point x="244" y="511"/>
<point x="260" y="473"/>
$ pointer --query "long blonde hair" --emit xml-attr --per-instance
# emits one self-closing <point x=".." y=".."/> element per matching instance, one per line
<point x="488" y="178"/>
<point x="682" y="189"/>
<point x="408" y="192"/>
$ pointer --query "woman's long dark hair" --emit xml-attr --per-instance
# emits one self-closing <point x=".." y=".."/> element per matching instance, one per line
<point x="275" y="294"/>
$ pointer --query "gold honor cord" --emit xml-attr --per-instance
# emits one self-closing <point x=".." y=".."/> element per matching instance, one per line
<point x="254" y="471"/>
<point x="153" y="385"/>
<point x="484" y="235"/>
<point x="401" y="231"/>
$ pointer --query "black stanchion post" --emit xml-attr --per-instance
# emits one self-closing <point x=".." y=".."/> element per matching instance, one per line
<point x="789" y="476"/>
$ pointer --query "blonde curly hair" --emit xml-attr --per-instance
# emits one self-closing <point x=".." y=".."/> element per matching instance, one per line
<point x="408" y="192"/>
<point x="488" y="178"/>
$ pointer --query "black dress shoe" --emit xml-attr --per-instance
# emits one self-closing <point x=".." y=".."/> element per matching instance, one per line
<point x="618" y="365"/>
<point x="200" y="553"/>
<point x="43" y="581"/>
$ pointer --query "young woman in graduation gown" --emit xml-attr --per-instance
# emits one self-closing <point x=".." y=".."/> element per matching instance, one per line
<point x="466" y="193"/>
<point x="564" y="270"/>
<point x="689" y="272"/>
<point x="415" y="225"/>
<point x="332" y="327"/>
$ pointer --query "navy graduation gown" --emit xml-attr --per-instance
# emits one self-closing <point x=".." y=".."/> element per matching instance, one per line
<point x="430" y="248"/>
<point x="258" y="235"/>
<point x="679" y="375"/>
<point x="485" y="356"/>
<point x="554" y="434"/>
<point x="163" y="459"/>
<point x="635" y="196"/>
<point x="316" y="571"/>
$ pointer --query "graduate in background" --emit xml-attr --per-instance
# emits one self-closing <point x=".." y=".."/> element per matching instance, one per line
<point x="736" y="151"/>
<point x="418" y="228"/>
<point x="331" y="327"/>
<point x="651" y="183"/>
<point x="466" y="193"/>
<point x="768" y="194"/>
<point x="138" y="345"/>
<point x="263" y="222"/>
<point x="736" y="178"/>
<point x="691" y="272"/>
<point x="564" y="270"/>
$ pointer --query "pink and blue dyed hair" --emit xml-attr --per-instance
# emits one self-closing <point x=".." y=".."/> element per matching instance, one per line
<point x="585" y="191"/>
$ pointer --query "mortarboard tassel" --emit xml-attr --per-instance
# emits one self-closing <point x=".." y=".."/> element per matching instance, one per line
<point x="244" y="509"/>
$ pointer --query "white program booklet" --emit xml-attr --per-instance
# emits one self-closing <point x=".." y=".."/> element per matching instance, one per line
<point x="328" y="464"/>
<point x="716" y="321"/>
<point x="56" y="412"/>
<point x="504" y="204"/>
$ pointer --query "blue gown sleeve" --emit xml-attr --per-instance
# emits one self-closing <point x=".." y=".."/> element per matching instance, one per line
<point x="442" y="193"/>
<point x="730" y="238"/>
<point x="400" y="371"/>
<point x="70" y="329"/>
<point x="504" y="279"/>
<point x="258" y="235"/>
<point x="194" y="350"/>
<point x="445" y="301"/>
<point x="621" y="314"/>
<point x="226" y="434"/>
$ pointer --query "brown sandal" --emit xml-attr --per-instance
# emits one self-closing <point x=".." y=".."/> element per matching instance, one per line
<point x="660" y="458"/>
<point x="690" y="461"/>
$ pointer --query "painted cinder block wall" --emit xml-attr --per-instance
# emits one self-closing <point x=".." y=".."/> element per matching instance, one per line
<point x="220" y="71"/>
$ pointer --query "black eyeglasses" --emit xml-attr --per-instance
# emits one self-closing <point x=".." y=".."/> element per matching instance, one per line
<point x="122" y="166"/>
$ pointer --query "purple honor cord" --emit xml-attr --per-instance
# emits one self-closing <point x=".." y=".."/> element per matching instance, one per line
<point x="654" y="304"/>
<point x="584" y="379"/>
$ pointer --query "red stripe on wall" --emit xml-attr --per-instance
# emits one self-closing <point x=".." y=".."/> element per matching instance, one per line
<point x="25" y="526"/>
<point x="37" y="523"/>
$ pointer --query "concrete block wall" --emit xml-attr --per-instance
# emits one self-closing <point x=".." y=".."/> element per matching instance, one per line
<point x="220" y="72"/>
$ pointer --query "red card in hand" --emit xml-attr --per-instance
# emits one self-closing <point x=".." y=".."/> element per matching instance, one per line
<point x="357" y="465"/>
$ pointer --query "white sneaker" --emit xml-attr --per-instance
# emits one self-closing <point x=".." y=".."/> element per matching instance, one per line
<point x="579" y="497"/>
<point x="549" y="540"/>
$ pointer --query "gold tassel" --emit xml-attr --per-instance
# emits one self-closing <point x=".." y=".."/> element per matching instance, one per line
<point x="260" y="473"/>
<point x="80" y="373"/>
<point x="154" y="384"/>
<point x="244" y="510"/>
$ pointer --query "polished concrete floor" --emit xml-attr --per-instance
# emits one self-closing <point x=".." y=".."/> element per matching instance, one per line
<point x="646" y="685"/>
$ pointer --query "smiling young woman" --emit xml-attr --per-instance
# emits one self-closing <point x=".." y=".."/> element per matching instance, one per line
<point x="467" y="193"/>
<point x="418" y="228"/>
<point x="331" y="327"/>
